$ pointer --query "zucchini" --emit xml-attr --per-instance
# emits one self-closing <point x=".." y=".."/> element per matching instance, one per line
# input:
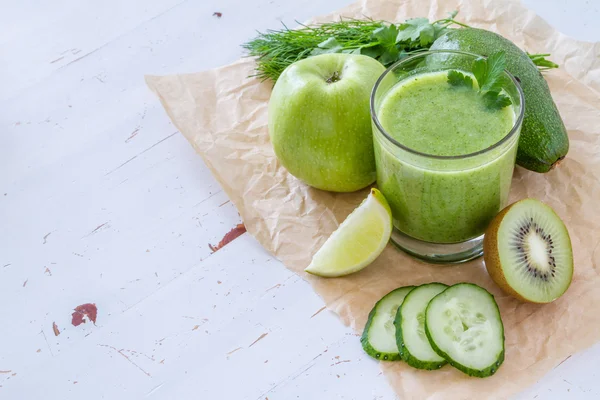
<point x="464" y="326"/>
<point x="379" y="336"/>
<point x="412" y="342"/>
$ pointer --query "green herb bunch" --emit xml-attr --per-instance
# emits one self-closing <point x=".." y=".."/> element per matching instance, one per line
<point x="488" y="73"/>
<point x="385" y="42"/>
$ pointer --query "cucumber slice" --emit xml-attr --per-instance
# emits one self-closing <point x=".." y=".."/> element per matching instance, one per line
<point x="379" y="337"/>
<point x="412" y="342"/>
<point x="463" y="325"/>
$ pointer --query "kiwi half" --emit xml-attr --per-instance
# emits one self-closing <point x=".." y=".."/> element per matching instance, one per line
<point x="527" y="252"/>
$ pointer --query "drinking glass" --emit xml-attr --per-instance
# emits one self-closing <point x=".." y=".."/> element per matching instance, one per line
<point x="441" y="205"/>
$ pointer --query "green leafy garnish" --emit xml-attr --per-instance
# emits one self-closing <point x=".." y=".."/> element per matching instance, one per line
<point x="489" y="75"/>
<point x="331" y="45"/>
<point x="459" y="79"/>
<point x="416" y="29"/>
<point x="385" y="42"/>
<point x="496" y="100"/>
<point x="488" y="72"/>
<point x="540" y="61"/>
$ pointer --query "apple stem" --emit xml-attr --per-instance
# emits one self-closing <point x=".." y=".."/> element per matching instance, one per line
<point x="333" y="78"/>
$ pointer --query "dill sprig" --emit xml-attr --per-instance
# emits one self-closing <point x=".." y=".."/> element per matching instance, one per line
<point x="276" y="49"/>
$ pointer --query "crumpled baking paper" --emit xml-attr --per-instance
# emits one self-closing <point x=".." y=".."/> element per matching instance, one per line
<point x="223" y="114"/>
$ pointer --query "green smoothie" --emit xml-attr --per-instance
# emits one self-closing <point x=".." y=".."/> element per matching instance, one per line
<point x="443" y="200"/>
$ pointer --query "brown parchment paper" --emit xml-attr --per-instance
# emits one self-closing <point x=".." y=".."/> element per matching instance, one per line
<point x="223" y="114"/>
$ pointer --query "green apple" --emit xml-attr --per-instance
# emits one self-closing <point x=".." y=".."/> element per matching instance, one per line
<point x="320" y="124"/>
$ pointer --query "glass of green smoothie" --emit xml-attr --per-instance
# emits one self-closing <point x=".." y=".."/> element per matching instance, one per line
<point x="444" y="154"/>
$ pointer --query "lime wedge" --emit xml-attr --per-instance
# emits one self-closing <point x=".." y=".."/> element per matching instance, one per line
<point x="358" y="241"/>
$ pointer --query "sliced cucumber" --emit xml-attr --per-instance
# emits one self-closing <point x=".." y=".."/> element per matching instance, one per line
<point x="379" y="337"/>
<point x="463" y="325"/>
<point x="412" y="342"/>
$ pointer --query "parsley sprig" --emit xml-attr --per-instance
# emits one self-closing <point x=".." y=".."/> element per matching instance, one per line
<point x="488" y="73"/>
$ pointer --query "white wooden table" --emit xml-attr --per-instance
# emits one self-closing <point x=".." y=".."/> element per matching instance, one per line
<point x="102" y="201"/>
